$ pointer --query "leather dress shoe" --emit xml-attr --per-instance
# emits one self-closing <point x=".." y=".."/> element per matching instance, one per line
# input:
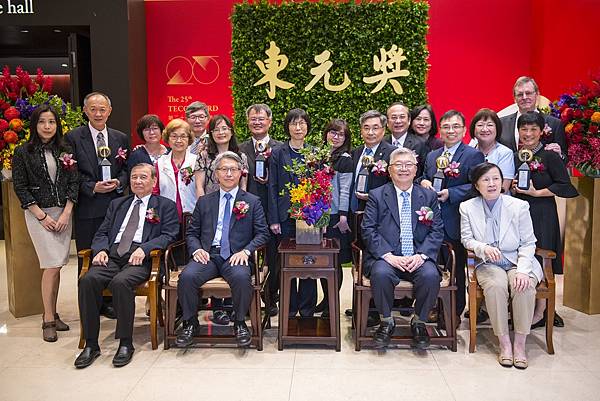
<point x="383" y="334"/>
<point x="558" y="321"/>
<point x="186" y="336"/>
<point x="221" y="317"/>
<point x="373" y="319"/>
<point x="321" y="306"/>
<point x="108" y="312"/>
<point x="420" y="335"/>
<point x="348" y="312"/>
<point x="87" y="357"/>
<point x="123" y="356"/>
<point x="539" y="323"/>
<point x="482" y="316"/>
<point x="242" y="334"/>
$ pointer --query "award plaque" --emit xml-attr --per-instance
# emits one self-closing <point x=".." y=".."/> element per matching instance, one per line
<point x="438" y="178"/>
<point x="260" y="166"/>
<point x="524" y="173"/>
<point x="104" y="152"/>
<point x="362" y="180"/>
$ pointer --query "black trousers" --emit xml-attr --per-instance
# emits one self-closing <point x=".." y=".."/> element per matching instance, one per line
<point x="461" y="261"/>
<point x="426" y="286"/>
<point x="196" y="274"/>
<point x="122" y="279"/>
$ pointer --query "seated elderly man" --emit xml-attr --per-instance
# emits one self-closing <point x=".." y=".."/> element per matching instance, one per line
<point x="227" y="226"/>
<point x="402" y="229"/>
<point x="133" y="227"/>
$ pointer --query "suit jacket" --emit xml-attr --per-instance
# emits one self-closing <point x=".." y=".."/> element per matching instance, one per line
<point x="154" y="236"/>
<point x="249" y="232"/>
<point x="459" y="188"/>
<point x="92" y="205"/>
<point x="383" y="153"/>
<point x="417" y="145"/>
<point x="253" y="186"/>
<point x="557" y="134"/>
<point x="516" y="237"/>
<point x="381" y="224"/>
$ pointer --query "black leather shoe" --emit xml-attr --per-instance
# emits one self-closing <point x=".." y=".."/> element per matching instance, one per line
<point x="242" y="334"/>
<point x="348" y="312"/>
<point x="558" y="321"/>
<point x="87" y="357"/>
<point x="186" y="336"/>
<point x="383" y="334"/>
<point x="373" y="319"/>
<point x="321" y="306"/>
<point x="539" y="323"/>
<point x="108" y="312"/>
<point x="123" y="356"/>
<point x="221" y="317"/>
<point x="273" y="309"/>
<point x="420" y="335"/>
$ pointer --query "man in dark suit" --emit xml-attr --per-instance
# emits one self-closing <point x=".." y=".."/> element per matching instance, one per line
<point x="400" y="247"/>
<point x="95" y="193"/>
<point x="526" y="93"/>
<point x="227" y="227"/>
<point x="372" y="129"/>
<point x="398" y="122"/>
<point x="456" y="188"/>
<point x="133" y="227"/>
<point x="260" y="118"/>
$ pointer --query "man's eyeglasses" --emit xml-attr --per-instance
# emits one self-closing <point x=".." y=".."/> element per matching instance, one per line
<point x="374" y="128"/>
<point x="455" y="127"/>
<point x="197" y="117"/>
<point x="255" y="120"/>
<point x="228" y="170"/>
<point x="402" y="166"/>
<point x="524" y="94"/>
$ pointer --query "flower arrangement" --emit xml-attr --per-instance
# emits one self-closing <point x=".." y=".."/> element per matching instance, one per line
<point x="152" y="216"/>
<point x="240" y="208"/>
<point x="20" y="95"/>
<point x="580" y="113"/>
<point x="425" y="215"/>
<point x="310" y="195"/>
<point x="453" y="170"/>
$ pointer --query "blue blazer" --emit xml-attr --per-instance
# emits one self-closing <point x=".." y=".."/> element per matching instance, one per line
<point x="384" y="150"/>
<point x="459" y="188"/>
<point x="155" y="235"/>
<point x="249" y="232"/>
<point x="381" y="224"/>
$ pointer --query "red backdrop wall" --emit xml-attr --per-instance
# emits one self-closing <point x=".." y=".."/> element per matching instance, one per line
<point x="477" y="50"/>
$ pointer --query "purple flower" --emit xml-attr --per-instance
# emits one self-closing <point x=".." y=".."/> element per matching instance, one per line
<point x="25" y="109"/>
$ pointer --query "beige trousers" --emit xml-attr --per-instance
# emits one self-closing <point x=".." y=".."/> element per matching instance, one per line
<point x="498" y="286"/>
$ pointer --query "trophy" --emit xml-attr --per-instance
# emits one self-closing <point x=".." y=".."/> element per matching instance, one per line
<point x="260" y="165"/>
<point x="523" y="173"/>
<point x="438" y="178"/>
<point x="362" y="180"/>
<point x="104" y="152"/>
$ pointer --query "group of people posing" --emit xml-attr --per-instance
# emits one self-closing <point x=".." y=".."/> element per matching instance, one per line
<point x="421" y="190"/>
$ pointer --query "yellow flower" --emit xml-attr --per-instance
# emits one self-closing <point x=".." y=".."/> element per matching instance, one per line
<point x="569" y="128"/>
<point x="297" y="194"/>
<point x="596" y="117"/>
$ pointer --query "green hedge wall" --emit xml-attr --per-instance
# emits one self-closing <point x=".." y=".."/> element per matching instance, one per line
<point x="352" y="32"/>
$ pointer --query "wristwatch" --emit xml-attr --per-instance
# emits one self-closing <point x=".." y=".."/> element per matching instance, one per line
<point x="247" y="252"/>
<point x="424" y="257"/>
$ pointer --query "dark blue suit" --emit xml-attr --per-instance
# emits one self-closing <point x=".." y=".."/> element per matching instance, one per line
<point x="120" y="277"/>
<point x="381" y="233"/>
<point x="459" y="190"/>
<point x="249" y="232"/>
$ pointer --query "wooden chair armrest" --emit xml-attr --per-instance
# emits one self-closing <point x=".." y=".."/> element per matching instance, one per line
<point x="155" y="257"/>
<point x="357" y="266"/>
<point x="471" y="266"/>
<point x="260" y="255"/>
<point x="170" y="263"/>
<point x="452" y="258"/>
<point x="545" y="253"/>
<point x="547" y="257"/>
<point x="86" y="257"/>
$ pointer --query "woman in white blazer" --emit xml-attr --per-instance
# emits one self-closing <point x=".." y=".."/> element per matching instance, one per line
<point x="499" y="230"/>
<point x="175" y="172"/>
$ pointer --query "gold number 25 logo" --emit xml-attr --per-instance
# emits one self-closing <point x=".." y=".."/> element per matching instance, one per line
<point x="182" y="70"/>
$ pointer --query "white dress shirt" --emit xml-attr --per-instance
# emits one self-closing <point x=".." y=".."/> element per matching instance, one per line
<point x="399" y="142"/>
<point x="94" y="132"/>
<point x="359" y="164"/>
<point x="137" y="238"/>
<point x="222" y="202"/>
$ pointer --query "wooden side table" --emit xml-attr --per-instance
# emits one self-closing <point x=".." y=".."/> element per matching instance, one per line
<point x="302" y="262"/>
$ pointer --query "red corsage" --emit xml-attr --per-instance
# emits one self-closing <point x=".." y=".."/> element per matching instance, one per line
<point x="267" y="153"/>
<point x="380" y="168"/>
<point x="546" y="131"/>
<point x="425" y="215"/>
<point x="452" y="170"/>
<point x="152" y="216"/>
<point x="121" y="156"/>
<point x="67" y="161"/>
<point x="536" y="165"/>
<point x="240" y="209"/>
<point x="186" y="175"/>
<point x="244" y="172"/>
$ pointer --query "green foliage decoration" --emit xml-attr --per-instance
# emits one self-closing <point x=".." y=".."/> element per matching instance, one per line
<point x="353" y="32"/>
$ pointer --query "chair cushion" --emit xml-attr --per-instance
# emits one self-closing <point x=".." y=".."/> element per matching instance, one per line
<point x="217" y="282"/>
<point x="403" y="283"/>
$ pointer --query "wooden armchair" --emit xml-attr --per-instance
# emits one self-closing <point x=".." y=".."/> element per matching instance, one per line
<point x="217" y="287"/>
<point x="546" y="289"/>
<point x="446" y="300"/>
<point x="150" y="289"/>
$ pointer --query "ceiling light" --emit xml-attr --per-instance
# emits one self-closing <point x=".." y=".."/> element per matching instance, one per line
<point x="64" y="65"/>
<point x="24" y="31"/>
<point x="56" y="30"/>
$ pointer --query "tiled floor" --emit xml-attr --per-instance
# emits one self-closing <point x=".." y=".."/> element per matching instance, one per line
<point x="31" y="369"/>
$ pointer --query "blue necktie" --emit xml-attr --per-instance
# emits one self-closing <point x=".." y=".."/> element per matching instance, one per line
<point x="353" y="198"/>
<point x="406" y="234"/>
<point x="225" y="250"/>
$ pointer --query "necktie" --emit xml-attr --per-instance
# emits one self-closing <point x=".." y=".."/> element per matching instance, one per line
<point x="448" y="155"/>
<point x="225" y="250"/>
<point x="100" y="142"/>
<point x="397" y="144"/>
<point x="406" y="234"/>
<point x="130" y="229"/>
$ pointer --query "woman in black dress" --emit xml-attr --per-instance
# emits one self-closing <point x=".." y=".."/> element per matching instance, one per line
<point x="424" y="126"/>
<point x="549" y="178"/>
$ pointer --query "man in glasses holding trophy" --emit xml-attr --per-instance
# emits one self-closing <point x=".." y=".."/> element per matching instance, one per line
<point x="447" y="173"/>
<point x="258" y="150"/>
<point x="101" y="155"/>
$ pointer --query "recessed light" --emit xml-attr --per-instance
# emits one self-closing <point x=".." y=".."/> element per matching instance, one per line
<point x="56" y="30"/>
<point x="24" y="31"/>
<point x="64" y="65"/>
